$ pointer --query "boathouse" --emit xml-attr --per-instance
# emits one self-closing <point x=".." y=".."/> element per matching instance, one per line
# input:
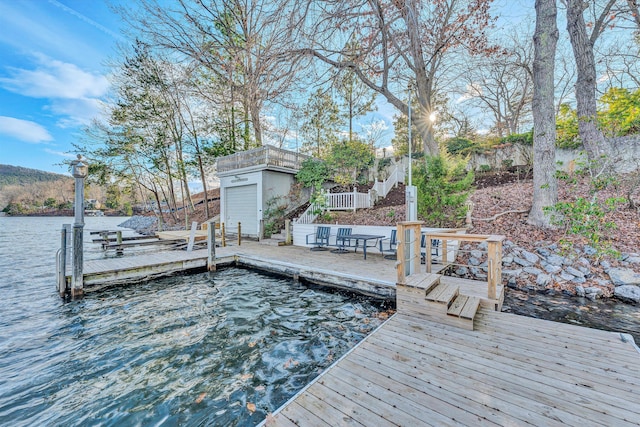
<point x="249" y="179"/>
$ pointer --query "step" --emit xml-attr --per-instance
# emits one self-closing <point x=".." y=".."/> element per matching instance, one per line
<point x="462" y="311"/>
<point x="272" y="242"/>
<point x="443" y="294"/>
<point x="423" y="281"/>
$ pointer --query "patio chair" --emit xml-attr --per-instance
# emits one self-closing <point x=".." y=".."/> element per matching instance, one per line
<point x="342" y="240"/>
<point x="320" y="238"/>
<point x="435" y="249"/>
<point x="388" y="245"/>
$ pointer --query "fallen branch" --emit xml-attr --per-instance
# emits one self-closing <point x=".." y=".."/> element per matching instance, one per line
<point x="496" y="216"/>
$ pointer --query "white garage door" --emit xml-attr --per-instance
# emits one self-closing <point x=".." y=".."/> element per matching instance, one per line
<point x="242" y="206"/>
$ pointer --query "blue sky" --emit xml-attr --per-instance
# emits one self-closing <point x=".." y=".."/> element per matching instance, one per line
<point x="52" y="76"/>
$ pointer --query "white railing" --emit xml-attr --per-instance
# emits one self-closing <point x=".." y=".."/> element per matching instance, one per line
<point x="309" y="215"/>
<point x="266" y="155"/>
<point x="382" y="188"/>
<point x="348" y="201"/>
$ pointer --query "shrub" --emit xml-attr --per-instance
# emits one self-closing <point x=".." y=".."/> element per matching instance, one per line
<point x="313" y="173"/>
<point x="443" y="187"/>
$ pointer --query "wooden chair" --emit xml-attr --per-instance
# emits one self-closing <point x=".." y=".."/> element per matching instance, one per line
<point x="321" y="238"/>
<point x="389" y="245"/>
<point x="342" y="240"/>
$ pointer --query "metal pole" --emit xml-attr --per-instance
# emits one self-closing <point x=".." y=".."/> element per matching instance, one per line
<point x="410" y="147"/>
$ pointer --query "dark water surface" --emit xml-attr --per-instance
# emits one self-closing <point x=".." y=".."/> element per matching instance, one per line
<point x="208" y="349"/>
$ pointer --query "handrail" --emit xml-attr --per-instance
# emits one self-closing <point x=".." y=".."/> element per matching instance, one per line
<point x="267" y="155"/>
<point x="494" y="255"/>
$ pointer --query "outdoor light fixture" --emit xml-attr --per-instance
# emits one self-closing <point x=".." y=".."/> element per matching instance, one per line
<point x="79" y="169"/>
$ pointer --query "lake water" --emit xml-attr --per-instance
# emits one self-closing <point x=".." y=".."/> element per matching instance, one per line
<point x="211" y="349"/>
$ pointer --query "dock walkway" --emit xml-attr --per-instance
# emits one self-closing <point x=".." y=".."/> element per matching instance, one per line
<point x="511" y="370"/>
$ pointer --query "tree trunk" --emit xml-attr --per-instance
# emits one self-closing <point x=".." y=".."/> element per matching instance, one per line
<point x="585" y="89"/>
<point x="545" y="185"/>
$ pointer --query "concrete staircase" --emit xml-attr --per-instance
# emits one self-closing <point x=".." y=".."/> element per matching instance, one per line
<point x="424" y="296"/>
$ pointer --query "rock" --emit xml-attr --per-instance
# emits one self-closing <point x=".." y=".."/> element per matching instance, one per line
<point x="628" y="293"/>
<point x="512" y="283"/>
<point x="578" y="279"/>
<point x="475" y="271"/>
<point x="507" y="243"/>
<point x="566" y="276"/>
<point x="544" y="252"/>
<point x="574" y="271"/>
<point x="624" y="276"/>
<point x="483" y="246"/>
<point x="516" y="272"/>
<point x="474" y="261"/>
<point x="532" y="270"/>
<point x="633" y="260"/>
<point x="543" y="279"/>
<point x="555" y="260"/>
<point x="593" y="290"/>
<point x="605" y="264"/>
<point x="580" y="291"/>
<point x="507" y="260"/>
<point x="521" y="261"/>
<point x="481" y="276"/>
<point x="461" y="271"/>
<point x="584" y="261"/>
<point x="530" y="256"/>
<point x="589" y="250"/>
<point x="477" y="253"/>
<point x="584" y="270"/>
<point x="552" y="269"/>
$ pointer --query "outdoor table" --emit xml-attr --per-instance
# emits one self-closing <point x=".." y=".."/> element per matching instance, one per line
<point x="364" y="238"/>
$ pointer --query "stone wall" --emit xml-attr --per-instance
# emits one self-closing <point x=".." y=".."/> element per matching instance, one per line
<point x="625" y="158"/>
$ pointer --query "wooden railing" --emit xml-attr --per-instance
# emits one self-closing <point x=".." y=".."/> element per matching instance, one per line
<point x="494" y="254"/>
<point x="309" y="215"/>
<point x="266" y="155"/>
<point x="409" y="236"/>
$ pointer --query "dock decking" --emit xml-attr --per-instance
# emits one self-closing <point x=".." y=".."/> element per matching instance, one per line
<point x="511" y="370"/>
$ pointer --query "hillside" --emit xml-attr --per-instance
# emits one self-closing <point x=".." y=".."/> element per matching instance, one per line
<point x="17" y="175"/>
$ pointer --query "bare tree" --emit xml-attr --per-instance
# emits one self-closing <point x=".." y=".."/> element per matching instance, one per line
<point x="545" y="186"/>
<point x="401" y="42"/>
<point x="503" y="86"/>
<point x="245" y="44"/>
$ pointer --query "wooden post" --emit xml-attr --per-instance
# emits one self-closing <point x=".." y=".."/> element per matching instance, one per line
<point x="62" y="274"/>
<point x="119" y="250"/>
<point x="428" y="255"/>
<point x="192" y="236"/>
<point x="211" y="247"/>
<point x="239" y="233"/>
<point x="494" y="255"/>
<point x="77" y="278"/>
<point x="222" y="236"/>
<point x="400" y="256"/>
<point x="416" y="247"/>
<point x="287" y="231"/>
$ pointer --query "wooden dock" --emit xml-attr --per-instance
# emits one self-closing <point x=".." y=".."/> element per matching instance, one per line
<point x="510" y="370"/>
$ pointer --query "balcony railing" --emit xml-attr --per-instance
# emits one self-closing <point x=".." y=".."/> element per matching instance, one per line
<point x="263" y="156"/>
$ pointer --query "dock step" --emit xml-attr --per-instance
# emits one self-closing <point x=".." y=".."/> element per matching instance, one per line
<point x="463" y="310"/>
<point x="272" y="242"/>
<point x="443" y="294"/>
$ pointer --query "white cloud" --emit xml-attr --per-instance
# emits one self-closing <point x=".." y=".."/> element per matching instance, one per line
<point x="55" y="79"/>
<point x="24" y="130"/>
<point x="76" y="112"/>
<point x="60" y="153"/>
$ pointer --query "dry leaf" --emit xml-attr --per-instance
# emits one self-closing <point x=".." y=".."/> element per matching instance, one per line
<point x="252" y="344"/>
<point x="201" y="397"/>
<point x="251" y="407"/>
<point x="245" y="377"/>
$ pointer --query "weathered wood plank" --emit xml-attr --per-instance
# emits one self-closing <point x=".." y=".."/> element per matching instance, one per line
<point x="470" y="308"/>
<point x="458" y="305"/>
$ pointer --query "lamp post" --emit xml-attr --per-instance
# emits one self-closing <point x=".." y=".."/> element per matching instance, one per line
<point x="79" y="170"/>
<point x="411" y="193"/>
